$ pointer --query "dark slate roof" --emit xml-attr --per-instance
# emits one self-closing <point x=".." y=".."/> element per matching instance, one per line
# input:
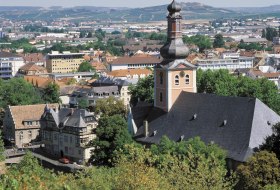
<point x="105" y="81"/>
<point x="246" y="122"/>
<point x="69" y="117"/>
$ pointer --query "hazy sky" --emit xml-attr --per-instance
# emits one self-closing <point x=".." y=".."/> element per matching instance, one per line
<point x="135" y="3"/>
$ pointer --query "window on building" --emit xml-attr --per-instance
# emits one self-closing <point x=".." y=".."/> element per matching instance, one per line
<point x="160" y="97"/>
<point x="66" y="150"/>
<point x="187" y="79"/>
<point x="177" y="80"/>
<point x="65" y="138"/>
<point x="161" y="77"/>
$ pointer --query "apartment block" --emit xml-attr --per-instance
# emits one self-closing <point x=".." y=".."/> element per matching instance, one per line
<point x="65" y="62"/>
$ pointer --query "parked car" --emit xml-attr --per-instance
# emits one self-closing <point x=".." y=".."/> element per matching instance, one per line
<point x="64" y="160"/>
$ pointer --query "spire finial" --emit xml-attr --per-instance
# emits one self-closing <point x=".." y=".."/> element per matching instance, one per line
<point x="174" y="7"/>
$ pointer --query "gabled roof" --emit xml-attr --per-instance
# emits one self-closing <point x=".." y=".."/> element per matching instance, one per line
<point x="28" y="112"/>
<point x="33" y="67"/>
<point x="176" y="64"/>
<point x="237" y="124"/>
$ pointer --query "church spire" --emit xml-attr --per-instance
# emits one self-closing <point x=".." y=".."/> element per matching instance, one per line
<point x="174" y="47"/>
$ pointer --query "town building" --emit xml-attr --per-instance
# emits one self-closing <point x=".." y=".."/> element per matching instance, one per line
<point x="37" y="58"/>
<point x="10" y="64"/>
<point x="21" y="124"/>
<point x="67" y="132"/>
<point x="65" y="62"/>
<point x="229" y="63"/>
<point x="32" y="69"/>
<point x="120" y="83"/>
<point x="130" y="73"/>
<point x="276" y="41"/>
<point x="91" y="95"/>
<point x="236" y="124"/>
<point x="134" y="62"/>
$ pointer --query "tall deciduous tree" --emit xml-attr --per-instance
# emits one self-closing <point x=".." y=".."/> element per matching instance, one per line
<point x="202" y="42"/>
<point x="17" y="91"/>
<point x="51" y="93"/>
<point x="218" y="41"/>
<point x="144" y="90"/>
<point x="111" y="135"/>
<point x="85" y="67"/>
<point x="272" y="143"/>
<point x="260" y="170"/>
<point x="110" y="106"/>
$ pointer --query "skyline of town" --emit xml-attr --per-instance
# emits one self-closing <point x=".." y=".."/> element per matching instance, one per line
<point x="135" y="4"/>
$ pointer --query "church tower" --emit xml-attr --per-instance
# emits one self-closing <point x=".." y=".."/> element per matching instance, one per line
<point x="174" y="74"/>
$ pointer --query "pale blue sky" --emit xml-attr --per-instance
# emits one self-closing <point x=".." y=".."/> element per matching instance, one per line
<point x="135" y="3"/>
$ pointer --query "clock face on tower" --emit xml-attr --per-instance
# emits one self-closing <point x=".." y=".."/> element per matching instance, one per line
<point x="182" y="73"/>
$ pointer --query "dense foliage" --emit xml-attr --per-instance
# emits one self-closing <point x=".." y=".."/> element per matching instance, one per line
<point x="219" y="41"/>
<point x="222" y="83"/>
<point x="110" y="106"/>
<point x="86" y="67"/>
<point x="51" y="93"/>
<point x="17" y="91"/>
<point x="111" y="135"/>
<point x="202" y="42"/>
<point x="143" y="90"/>
<point x="272" y="143"/>
<point x="260" y="170"/>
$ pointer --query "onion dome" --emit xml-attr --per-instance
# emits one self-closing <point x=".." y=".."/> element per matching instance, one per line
<point x="174" y="7"/>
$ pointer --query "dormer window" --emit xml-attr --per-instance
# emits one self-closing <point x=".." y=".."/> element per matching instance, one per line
<point x="177" y="80"/>
<point x="187" y="79"/>
<point x="161" y="78"/>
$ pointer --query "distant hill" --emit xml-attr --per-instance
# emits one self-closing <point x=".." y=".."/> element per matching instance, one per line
<point x="256" y="10"/>
<point x="155" y="13"/>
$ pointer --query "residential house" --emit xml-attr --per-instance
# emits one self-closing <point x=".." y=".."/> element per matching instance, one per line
<point x="21" y="124"/>
<point x="67" y="132"/>
<point x="32" y="69"/>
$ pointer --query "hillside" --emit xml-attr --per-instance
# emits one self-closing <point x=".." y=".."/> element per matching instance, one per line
<point x="155" y="13"/>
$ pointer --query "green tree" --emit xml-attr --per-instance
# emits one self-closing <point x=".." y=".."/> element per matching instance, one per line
<point x="89" y="35"/>
<point x="86" y="67"/>
<point x="218" y="41"/>
<point x="143" y="90"/>
<point x="202" y="42"/>
<point x="17" y="91"/>
<point x="222" y="83"/>
<point x="110" y="106"/>
<point x="83" y="104"/>
<point x="272" y="143"/>
<point x="263" y="33"/>
<point x="51" y="93"/>
<point x="111" y="135"/>
<point x="260" y="170"/>
<point x="271" y="33"/>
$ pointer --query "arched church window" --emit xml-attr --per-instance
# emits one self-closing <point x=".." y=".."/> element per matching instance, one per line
<point x="161" y="78"/>
<point x="187" y="79"/>
<point x="177" y="80"/>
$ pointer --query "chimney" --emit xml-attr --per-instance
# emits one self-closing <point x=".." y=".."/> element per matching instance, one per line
<point x="146" y="128"/>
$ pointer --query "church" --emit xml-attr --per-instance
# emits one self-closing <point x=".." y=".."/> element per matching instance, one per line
<point x="236" y="124"/>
